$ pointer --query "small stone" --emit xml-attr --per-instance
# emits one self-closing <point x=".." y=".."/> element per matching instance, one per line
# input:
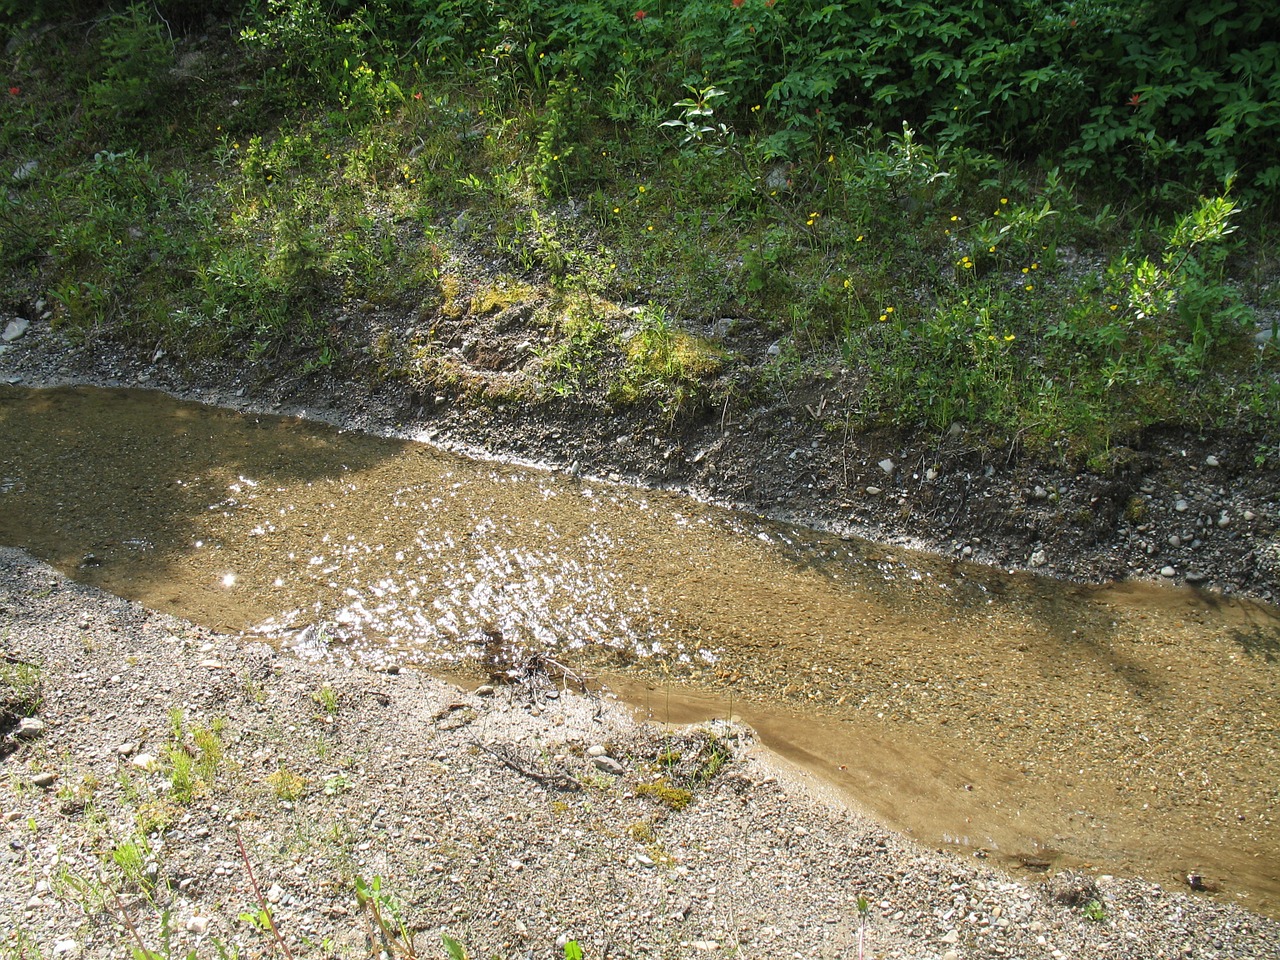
<point x="198" y="925"/>
<point x="951" y="937"/>
<point x="484" y="690"/>
<point x="1211" y="461"/>
<point x="275" y="893"/>
<point x="213" y="664"/>
<point x="1181" y="506"/>
<point x="888" y="466"/>
<point x="1248" y="515"/>
<point x="67" y="948"/>
<point x="1224" y="519"/>
<point x="1175" y="541"/>
<point x="775" y="349"/>
<point x="951" y="955"/>
<point x="29" y="728"/>
<point x="145" y="761"/>
<point x="26" y="171"/>
<point x="1038" y="559"/>
<point x="608" y="765"/>
<point x="597" y="751"/>
<point x="126" y="748"/>
<point x="1167" y="571"/>
<point x="14" y="330"/>
<point x="873" y="491"/>
<point x="46" y="779"/>
<point x="643" y="860"/>
<point x="1039" y="493"/>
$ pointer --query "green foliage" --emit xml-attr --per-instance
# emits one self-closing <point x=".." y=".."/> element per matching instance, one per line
<point x="137" y="55"/>
<point x="884" y="188"/>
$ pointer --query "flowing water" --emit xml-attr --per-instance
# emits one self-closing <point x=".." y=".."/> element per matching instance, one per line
<point x="1129" y="728"/>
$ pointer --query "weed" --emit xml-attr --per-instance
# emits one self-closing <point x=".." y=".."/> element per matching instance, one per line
<point x="327" y="699"/>
<point x="662" y="791"/>
<point x="1095" y="911"/>
<point x="286" y="784"/>
<point x="386" y="919"/>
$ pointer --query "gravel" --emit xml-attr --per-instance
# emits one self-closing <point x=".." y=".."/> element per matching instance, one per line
<point x="483" y="816"/>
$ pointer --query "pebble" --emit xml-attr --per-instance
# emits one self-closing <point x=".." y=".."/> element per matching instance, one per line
<point x="15" y="329"/>
<point x="888" y="466"/>
<point x="608" y="765"/>
<point x="597" y="751"/>
<point x="873" y="491"/>
<point x="1038" y="559"/>
<point x="1181" y="506"/>
<point x="951" y="937"/>
<point x="67" y="948"/>
<point x="1167" y="571"/>
<point x="198" y="925"/>
<point x="484" y="690"/>
<point x="45" y="779"/>
<point x="1211" y="461"/>
<point x="145" y="761"/>
<point x="29" y="728"/>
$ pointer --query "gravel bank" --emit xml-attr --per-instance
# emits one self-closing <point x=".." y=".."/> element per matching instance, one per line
<point x="495" y="818"/>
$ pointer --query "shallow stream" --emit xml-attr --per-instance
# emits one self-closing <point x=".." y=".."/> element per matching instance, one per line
<point x="1131" y="728"/>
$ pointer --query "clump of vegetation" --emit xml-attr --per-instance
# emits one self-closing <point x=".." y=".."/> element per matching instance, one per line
<point x="286" y="784"/>
<point x="20" y="692"/>
<point x="662" y="791"/>
<point x="1045" y="221"/>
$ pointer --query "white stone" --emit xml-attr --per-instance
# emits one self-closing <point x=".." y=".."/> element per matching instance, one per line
<point x="1038" y="559"/>
<point x="29" y="728"/>
<point x="145" y="761"/>
<point x="888" y="466"/>
<point x="608" y="765"/>
<point x="15" y="329"/>
<point x="198" y="925"/>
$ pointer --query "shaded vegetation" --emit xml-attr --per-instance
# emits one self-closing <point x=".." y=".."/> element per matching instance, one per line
<point x="1026" y="216"/>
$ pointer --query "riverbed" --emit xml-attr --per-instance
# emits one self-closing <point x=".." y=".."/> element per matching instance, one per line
<point x="1129" y="727"/>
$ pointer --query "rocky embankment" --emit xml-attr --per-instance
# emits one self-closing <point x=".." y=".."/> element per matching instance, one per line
<point x="177" y="780"/>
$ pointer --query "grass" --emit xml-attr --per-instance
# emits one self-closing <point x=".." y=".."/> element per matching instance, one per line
<point x="314" y="187"/>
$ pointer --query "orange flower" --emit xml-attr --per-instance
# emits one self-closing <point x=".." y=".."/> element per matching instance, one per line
<point x="639" y="15"/>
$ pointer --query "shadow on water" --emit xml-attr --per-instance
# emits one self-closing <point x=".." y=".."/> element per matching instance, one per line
<point x="1127" y="726"/>
<point x="114" y="486"/>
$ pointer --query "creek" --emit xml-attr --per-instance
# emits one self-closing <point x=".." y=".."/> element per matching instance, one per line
<point x="1123" y="728"/>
